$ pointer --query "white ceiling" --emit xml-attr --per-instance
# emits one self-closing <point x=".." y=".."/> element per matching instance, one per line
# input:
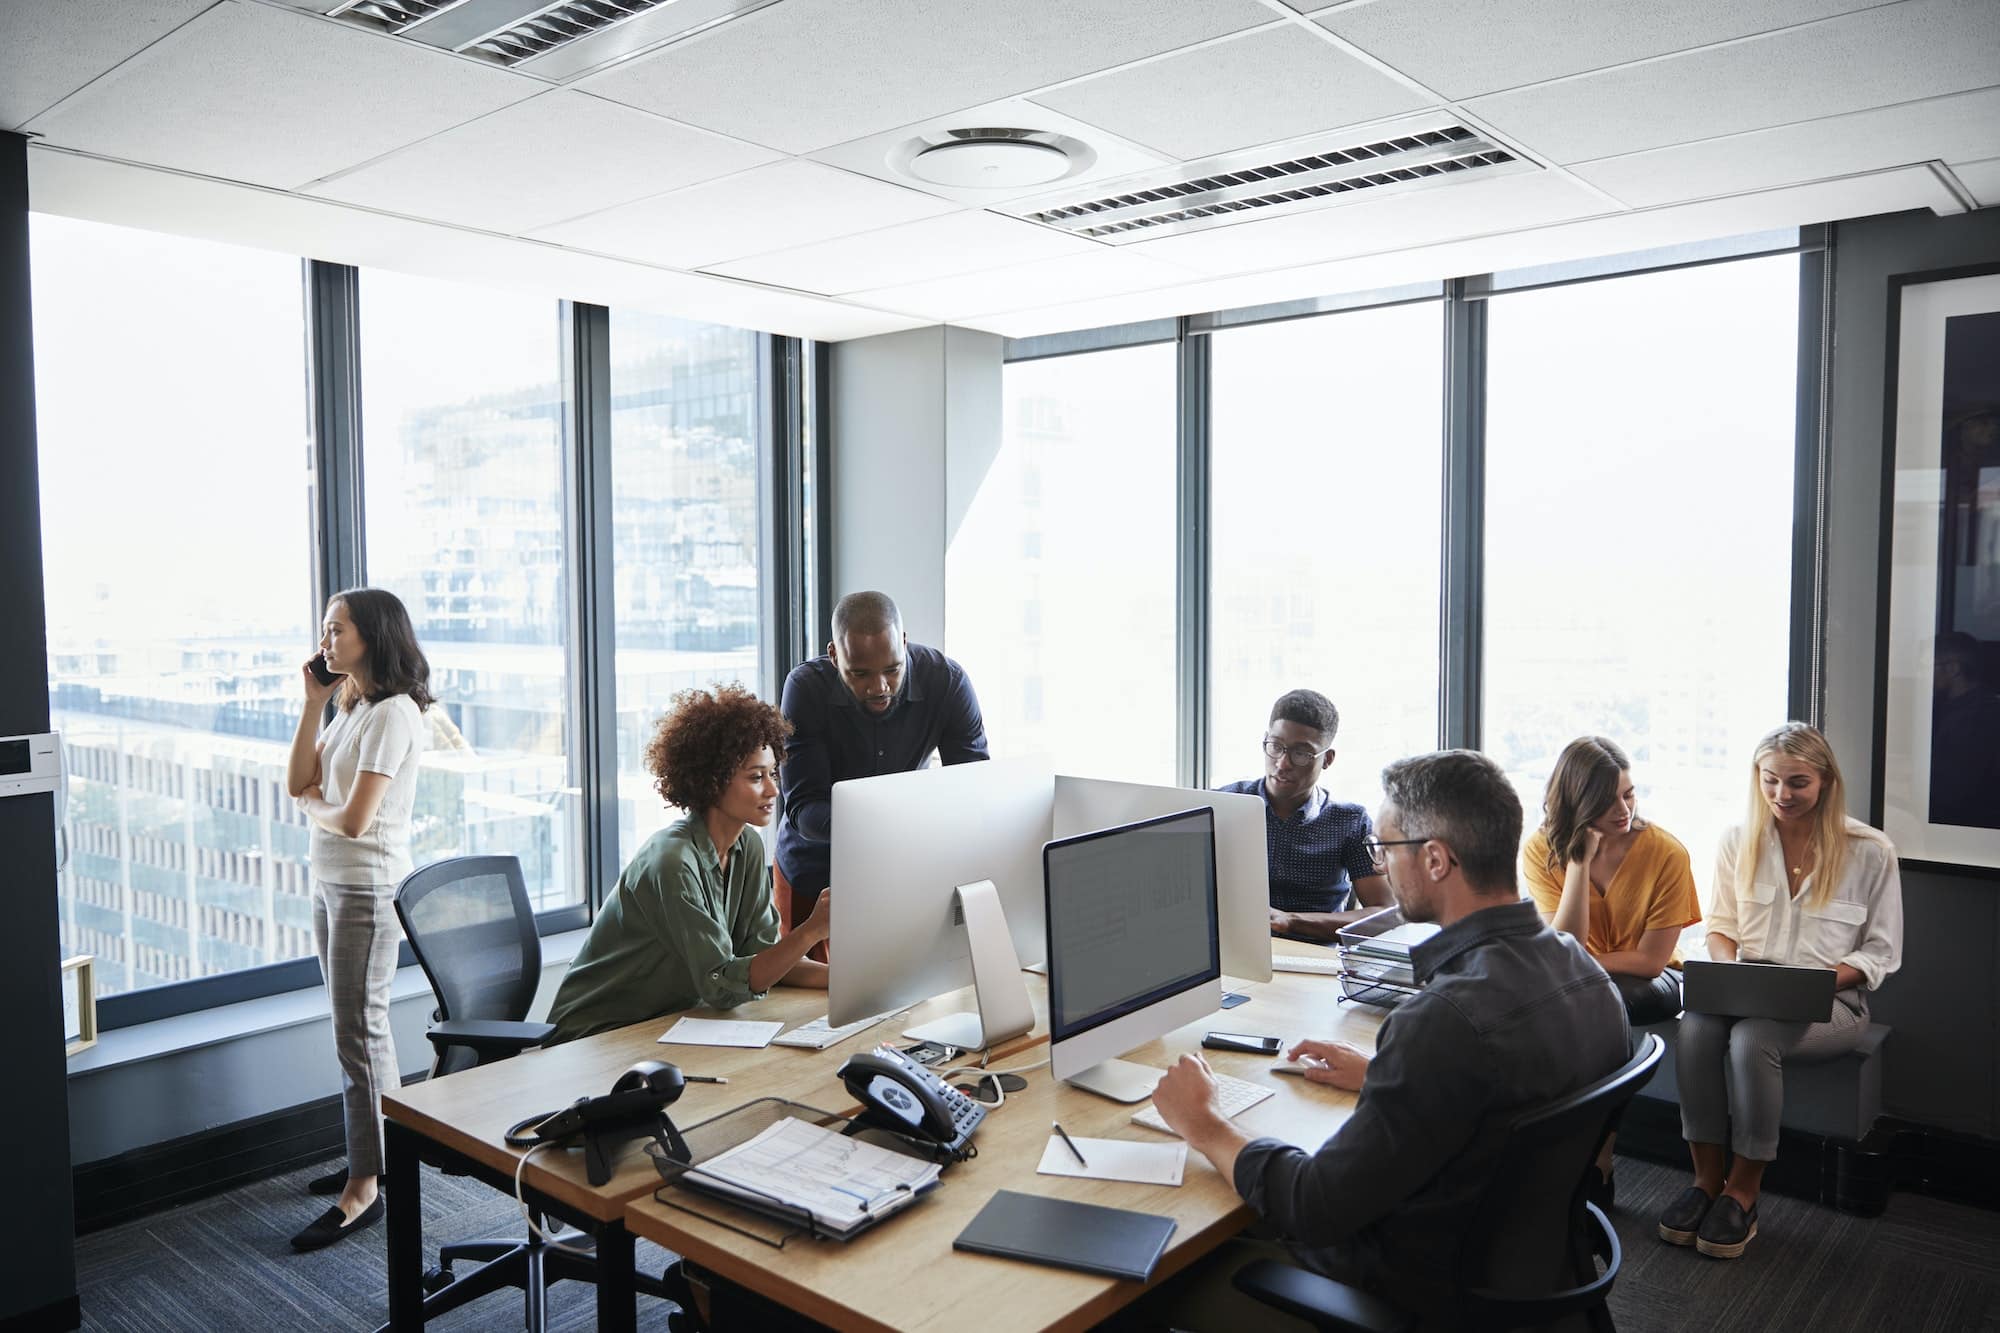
<point x="742" y="174"/>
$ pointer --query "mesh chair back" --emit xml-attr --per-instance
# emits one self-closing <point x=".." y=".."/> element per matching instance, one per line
<point x="470" y="925"/>
<point x="1531" y="1237"/>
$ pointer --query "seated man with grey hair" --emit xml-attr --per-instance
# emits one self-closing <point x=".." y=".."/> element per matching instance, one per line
<point x="1511" y="1015"/>
<point x="875" y="703"/>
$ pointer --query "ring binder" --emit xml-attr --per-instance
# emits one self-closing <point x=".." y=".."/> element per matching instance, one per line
<point x="731" y="1129"/>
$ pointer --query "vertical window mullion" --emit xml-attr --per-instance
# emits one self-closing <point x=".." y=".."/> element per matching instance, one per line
<point x="780" y="517"/>
<point x="1460" y="624"/>
<point x="587" y="482"/>
<point x="1805" y="691"/>
<point x="1191" y="619"/>
<point x="333" y="389"/>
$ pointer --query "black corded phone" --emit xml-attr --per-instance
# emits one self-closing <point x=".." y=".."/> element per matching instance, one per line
<point x="897" y="1093"/>
<point x="635" y="1107"/>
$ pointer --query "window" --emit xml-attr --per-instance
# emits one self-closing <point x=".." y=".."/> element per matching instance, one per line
<point x="462" y="414"/>
<point x="685" y="514"/>
<point x="1640" y="441"/>
<point x="1327" y="455"/>
<point x="1060" y="580"/>
<point x="177" y="554"/>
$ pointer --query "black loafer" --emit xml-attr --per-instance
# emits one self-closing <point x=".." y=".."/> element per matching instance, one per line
<point x="1727" y="1230"/>
<point x="1600" y="1189"/>
<point x="333" y="1182"/>
<point x="329" y="1226"/>
<point x="1682" y="1220"/>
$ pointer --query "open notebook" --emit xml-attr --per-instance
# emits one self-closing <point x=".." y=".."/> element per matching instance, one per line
<point x="843" y="1183"/>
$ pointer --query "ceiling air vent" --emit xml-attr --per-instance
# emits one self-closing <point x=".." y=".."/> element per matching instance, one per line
<point x="555" y="40"/>
<point x="1239" y="187"/>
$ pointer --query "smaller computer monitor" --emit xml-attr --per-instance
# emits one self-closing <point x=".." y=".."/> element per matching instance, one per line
<point x="1133" y="946"/>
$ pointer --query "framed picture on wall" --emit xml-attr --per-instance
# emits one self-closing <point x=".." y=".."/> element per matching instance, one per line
<point x="79" y="996"/>
<point x="1937" y="787"/>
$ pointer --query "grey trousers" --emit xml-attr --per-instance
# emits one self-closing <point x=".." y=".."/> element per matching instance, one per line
<point x="355" y="932"/>
<point x="1731" y="1071"/>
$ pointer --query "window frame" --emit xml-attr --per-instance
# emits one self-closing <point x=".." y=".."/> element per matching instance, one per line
<point x="1461" y="631"/>
<point x="332" y="357"/>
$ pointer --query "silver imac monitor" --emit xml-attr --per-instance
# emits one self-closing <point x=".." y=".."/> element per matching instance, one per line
<point x="904" y="846"/>
<point x="1133" y="946"/>
<point x="1242" y="865"/>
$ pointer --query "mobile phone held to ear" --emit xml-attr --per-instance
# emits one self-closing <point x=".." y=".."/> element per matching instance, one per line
<point x="1239" y="1041"/>
<point x="320" y="673"/>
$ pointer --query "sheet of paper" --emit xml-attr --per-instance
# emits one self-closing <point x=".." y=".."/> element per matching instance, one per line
<point x="1406" y="936"/>
<point x="719" y="1032"/>
<point x="1116" y="1159"/>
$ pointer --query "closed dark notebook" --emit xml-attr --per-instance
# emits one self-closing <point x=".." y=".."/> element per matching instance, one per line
<point x="1108" y="1241"/>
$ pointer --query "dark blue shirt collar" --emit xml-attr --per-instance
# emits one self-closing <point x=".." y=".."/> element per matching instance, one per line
<point x="1518" y="917"/>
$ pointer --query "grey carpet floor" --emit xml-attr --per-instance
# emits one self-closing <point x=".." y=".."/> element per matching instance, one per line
<point x="223" y="1265"/>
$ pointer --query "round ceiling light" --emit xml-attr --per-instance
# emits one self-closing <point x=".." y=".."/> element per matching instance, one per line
<point x="990" y="164"/>
<point x="991" y="159"/>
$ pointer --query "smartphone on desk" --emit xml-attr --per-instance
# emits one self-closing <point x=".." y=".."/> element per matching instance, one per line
<point x="1242" y="1041"/>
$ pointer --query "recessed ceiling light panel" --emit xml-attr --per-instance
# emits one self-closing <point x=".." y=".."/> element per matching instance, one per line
<point x="991" y="158"/>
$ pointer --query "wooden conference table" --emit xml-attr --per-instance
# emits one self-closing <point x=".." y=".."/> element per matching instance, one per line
<point x="903" y="1274"/>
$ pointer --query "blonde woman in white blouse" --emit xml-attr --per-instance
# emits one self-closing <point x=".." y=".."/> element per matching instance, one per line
<point x="1797" y="883"/>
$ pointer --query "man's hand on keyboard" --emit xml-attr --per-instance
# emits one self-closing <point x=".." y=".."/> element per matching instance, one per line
<point x="1340" y="1065"/>
<point x="1187" y="1097"/>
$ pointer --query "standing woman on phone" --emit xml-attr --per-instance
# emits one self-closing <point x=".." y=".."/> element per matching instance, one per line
<point x="1797" y="883"/>
<point x="356" y="781"/>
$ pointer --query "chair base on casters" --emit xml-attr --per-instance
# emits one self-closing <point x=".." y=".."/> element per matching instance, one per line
<point x="533" y="1265"/>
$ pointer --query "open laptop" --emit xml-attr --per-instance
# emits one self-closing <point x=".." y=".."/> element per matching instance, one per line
<point x="1757" y="990"/>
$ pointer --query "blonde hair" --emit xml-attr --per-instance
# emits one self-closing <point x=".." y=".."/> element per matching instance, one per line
<point x="1831" y="828"/>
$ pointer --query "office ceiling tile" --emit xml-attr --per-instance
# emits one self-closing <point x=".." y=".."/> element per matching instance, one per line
<point x="540" y="161"/>
<point x="777" y="207"/>
<point x="1463" y="48"/>
<point x="914" y="252"/>
<point x="1280" y="83"/>
<point x="1945" y="129"/>
<point x="1982" y="179"/>
<point x="253" y="93"/>
<point x="1021" y="286"/>
<point x="807" y="74"/>
<point x="51" y="50"/>
<point x="1897" y="53"/>
<point x="71" y="185"/>
<point x="1420" y="217"/>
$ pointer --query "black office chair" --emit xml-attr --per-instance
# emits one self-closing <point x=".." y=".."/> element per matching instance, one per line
<point x="470" y="925"/>
<point x="1531" y="1252"/>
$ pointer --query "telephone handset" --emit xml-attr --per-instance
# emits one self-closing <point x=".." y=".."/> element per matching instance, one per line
<point x="899" y="1094"/>
<point x="635" y="1107"/>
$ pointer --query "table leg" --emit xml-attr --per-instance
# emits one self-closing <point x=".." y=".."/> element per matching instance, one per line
<point x="401" y="1182"/>
<point x="617" y="1298"/>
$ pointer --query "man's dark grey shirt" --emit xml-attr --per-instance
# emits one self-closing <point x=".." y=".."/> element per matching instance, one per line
<point x="1511" y="1015"/>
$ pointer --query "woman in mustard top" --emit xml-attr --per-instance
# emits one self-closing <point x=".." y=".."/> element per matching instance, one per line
<point x="1622" y="887"/>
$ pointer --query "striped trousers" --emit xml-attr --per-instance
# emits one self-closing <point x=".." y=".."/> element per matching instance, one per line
<point x="355" y="932"/>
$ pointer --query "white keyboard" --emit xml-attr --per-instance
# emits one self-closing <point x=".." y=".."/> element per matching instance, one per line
<point x="817" y="1036"/>
<point x="1328" y="966"/>
<point x="1236" y="1097"/>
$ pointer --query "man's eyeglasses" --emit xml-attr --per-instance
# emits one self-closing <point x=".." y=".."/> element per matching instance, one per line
<point x="1378" y="854"/>
<point x="1302" y="755"/>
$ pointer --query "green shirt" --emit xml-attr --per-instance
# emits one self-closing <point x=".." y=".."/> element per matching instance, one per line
<point x="678" y="932"/>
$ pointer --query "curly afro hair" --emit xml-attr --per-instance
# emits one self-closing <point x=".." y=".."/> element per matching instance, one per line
<point x="705" y="737"/>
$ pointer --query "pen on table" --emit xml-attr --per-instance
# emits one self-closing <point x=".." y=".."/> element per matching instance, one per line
<point x="702" y="1078"/>
<point x="1072" y="1145"/>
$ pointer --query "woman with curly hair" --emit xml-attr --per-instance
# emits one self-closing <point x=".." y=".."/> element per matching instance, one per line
<point x="691" y="921"/>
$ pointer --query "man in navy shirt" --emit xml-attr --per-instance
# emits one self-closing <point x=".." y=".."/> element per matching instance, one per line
<point x="876" y="703"/>
<point x="1317" y="845"/>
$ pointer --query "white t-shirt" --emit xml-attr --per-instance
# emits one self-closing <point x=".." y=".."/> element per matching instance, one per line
<point x="387" y="737"/>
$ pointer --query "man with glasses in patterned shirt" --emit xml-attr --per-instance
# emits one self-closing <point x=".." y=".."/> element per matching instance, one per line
<point x="1316" y="845"/>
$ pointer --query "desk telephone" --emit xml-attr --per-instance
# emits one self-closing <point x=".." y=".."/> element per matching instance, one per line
<point x="898" y="1094"/>
<point x="635" y="1107"/>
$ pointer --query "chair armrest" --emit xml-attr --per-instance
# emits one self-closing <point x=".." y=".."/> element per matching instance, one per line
<point x="1319" y="1301"/>
<point x="491" y="1038"/>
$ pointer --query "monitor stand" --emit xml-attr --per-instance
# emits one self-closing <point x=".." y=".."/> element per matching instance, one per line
<point x="1120" y="1080"/>
<point x="1004" y="1008"/>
